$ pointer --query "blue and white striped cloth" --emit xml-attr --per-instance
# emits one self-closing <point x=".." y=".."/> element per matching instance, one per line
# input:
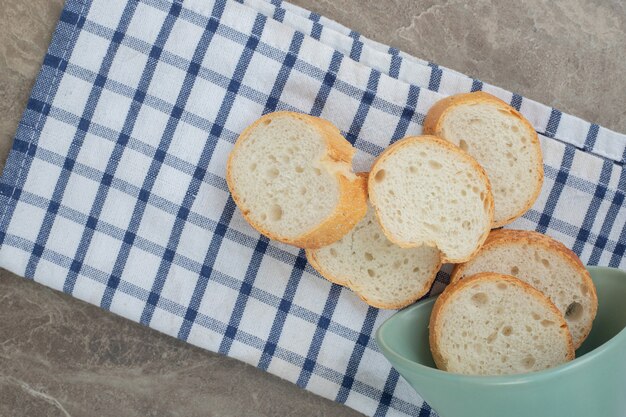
<point x="114" y="190"/>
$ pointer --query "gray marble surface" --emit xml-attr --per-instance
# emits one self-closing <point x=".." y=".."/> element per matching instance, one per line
<point x="62" y="357"/>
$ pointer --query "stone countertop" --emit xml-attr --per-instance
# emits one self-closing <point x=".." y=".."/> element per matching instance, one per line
<point x="62" y="357"/>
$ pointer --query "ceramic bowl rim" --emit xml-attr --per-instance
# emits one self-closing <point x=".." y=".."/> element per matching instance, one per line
<point x="613" y="343"/>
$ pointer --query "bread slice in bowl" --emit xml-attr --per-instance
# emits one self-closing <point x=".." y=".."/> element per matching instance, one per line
<point x="495" y="324"/>
<point x="547" y="265"/>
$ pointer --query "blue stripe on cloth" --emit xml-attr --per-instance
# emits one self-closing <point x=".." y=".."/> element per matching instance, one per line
<point x="407" y="113"/>
<point x="222" y="116"/>
<point x="215" y="132"/>
<point x="555" y="192"/>
<point x="83" y="126"/>
<point x="36" y="112"/>
<point x="159" y="104"/>
<point x="601" y="241"/>
<point x="283" y="74"/>
<point x="227" y="213"/>
<point x="327" y="84"/>
<point x="516" y="101"/>
<point x="112" y="164"/>
<point x="254" y="95"/>
<point x="553" y="123"/>
<point x="578" y="183"/>
<point x="279" y="14"/>
<point x="364" y="107"/>
<point x="316" y="30"/>
<point x="270" y="106"/>
<point x="357" y="46"/>
<point x="387" y="395"/>
<point x="200" y="171"/>
<point x="394" y="51"/>
<point x="355" y="359"/>
<point x="321" y="329"/>
<point x="206" y="271"/>
<point x="134" y="143"/>
<point x="283" y="312"/>
<point x="592" y="211"/>
<point x="426" y="411"/>
<point x="396" y="63"/>
<point x="592" y="135"/>
<point x="253" y="266"/>
<point x="620" y="248"/>
<point x="476" y="85"/>
<point x="441" y="277"/>
<point x="568" y="229"/>
<point x="435" y="77"/>
<point x="243" y="292"/>
<point x="121" y="144"/>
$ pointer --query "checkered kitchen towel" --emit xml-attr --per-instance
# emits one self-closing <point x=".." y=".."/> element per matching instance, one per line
<point x="114" y="190"/>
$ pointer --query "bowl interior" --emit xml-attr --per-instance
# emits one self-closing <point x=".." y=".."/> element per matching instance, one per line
<point x="406" y="333"/>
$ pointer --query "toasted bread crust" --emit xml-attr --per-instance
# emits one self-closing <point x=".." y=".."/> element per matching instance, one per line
<point x="433" y="126"/>
<point x="352" y="204"/>
<point x="452" y="289"/>
<point x="504" y="237"/>
<point x="462" y="154"/>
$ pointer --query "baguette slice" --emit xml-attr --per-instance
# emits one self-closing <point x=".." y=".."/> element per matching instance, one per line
<point x="547" y="265"/>
<point x="501" y="140"/>
<point x="427" y="191"/>
<point x="291" y="176"/>
<point x="494" y="324"/>
<point x="380" y="273"/>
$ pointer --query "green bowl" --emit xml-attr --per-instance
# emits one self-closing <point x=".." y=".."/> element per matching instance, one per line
<point x="592" y="385"/>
